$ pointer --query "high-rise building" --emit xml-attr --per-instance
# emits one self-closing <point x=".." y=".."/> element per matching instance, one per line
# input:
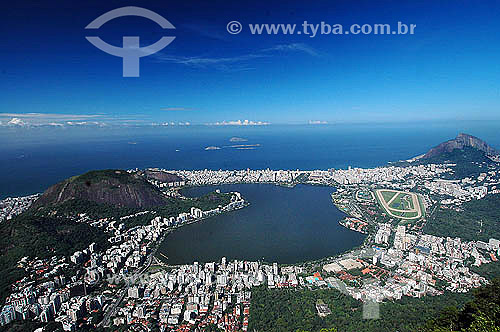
<point x="223" y="262"/>
<point x="133" y="292"/>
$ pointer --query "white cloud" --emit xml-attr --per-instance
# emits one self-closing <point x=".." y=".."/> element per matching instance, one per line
<point x="237" y="62"/>
<point x="49" y="119"/>
<point x="317" y="122"/>
<point x="186" y="123"/>
<point x="17" y="122"/>
<point x="299" y="47"/>
<point x="49" y="115"/>
<point x="206" y="61"/>
<point x="30" y="120"/>
<point x="176" y="109"/>
<point x="239" y="123"/>
<point x="86" y="123"/>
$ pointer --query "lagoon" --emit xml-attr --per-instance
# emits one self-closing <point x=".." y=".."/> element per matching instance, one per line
<point x="284" y="225"/>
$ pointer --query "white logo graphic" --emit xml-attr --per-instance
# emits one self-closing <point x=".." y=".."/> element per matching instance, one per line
<point x="131" y="51"/>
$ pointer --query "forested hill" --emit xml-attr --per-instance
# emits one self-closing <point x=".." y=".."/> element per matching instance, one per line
<point x="470" y="156"/>
<point x="480" y="315"/>
<point x="113" y="187"/>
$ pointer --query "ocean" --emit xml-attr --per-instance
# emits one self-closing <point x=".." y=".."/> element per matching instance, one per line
<point x="32" y="159"/>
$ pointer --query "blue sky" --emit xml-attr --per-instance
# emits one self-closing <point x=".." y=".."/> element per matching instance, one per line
<point x="448" y="69"/>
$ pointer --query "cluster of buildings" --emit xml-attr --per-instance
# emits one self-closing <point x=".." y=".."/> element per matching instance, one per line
<point x="463" y="190"/>
<point x="49" y="293"/>
<point x="400" y="177"/>
<point x="55" y="289"/>
<point x="426" y="179"/>
<point x="12" y="206"/>
<point x="211" y="177"/>
<point x="162" y="184"/>
<point x="383" y="234"/>
<point x="408" y="177"/>
<point x="404" y="261"/>
<point x="413" y="265"/>
<point x="355" y="224"/>
<point x="322" y="309"/>
<point x="198" y="295"/>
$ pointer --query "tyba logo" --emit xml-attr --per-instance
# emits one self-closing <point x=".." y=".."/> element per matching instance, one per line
<point x="131" y="52"/>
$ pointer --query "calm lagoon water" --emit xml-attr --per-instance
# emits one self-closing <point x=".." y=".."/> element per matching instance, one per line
<point x="285" y="225"/>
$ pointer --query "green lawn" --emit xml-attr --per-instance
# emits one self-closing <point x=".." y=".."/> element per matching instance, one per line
<point x="387" y="195"/>
<point x="410" y="214"/>
<point x="422" y="206"/>
<point x="402" y="202"/>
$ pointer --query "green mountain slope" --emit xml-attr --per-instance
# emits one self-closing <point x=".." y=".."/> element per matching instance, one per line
<point x="115" y="187"/>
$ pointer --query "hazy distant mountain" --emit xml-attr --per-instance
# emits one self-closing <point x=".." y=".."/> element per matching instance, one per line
<point x="113" y="187"/>
<point x="460" y="142"/>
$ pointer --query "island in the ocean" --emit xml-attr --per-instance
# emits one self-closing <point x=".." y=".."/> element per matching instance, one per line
<point x="237" y="139"/>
